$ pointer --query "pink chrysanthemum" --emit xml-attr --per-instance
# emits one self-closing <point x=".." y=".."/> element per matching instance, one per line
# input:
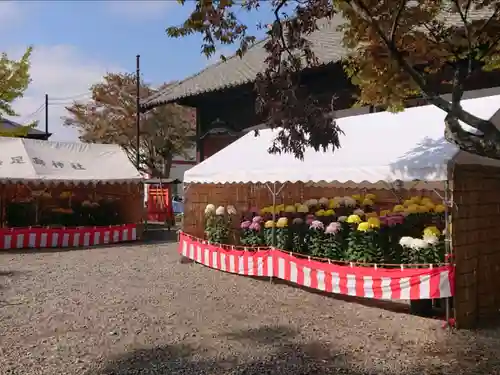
<point x="255" y="227"/>
<point x="333" y="228"/>
<point x="245" y="224"/>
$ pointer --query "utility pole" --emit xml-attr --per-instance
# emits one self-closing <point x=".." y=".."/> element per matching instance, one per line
<point x="47" y="115"/>
<point x="138" y="107"/>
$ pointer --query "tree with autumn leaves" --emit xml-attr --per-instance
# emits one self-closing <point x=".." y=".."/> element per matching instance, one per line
<point x="398" y="49"/>
<point x="14" y="81"/>
<point x="110" y="117"/>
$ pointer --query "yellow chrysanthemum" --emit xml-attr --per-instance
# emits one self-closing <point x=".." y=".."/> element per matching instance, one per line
<point x="357" y="197"/>
<point x="407" y="202"/>
<point x="332" y="204"/>
<point x="329" y="212"/>
<point x="439" y="208"/>
<point x="371" y="214"/>
<point x="353" y="219"/>
<point x="269" y="224"/>
<point x="371" y="197"/>
<point x="290" y="209"/>
<point x="363" y="227"/>
<point x="280" y="208"/>
<point x="416" y="200"/>
<point x="282" y="222"/>
<point x="423" y="209"/>
<point x="385" y="212"/>
<point x="412" y="209"/>
<point x="367" y="202"/>
<point x="303" y="209"/>
<point x="264" y="210"/>
<point x="425" y="200"/>
<point x="320" y="213"/>
<point x="297" y="205"/>
<point x="430" y="206"/>
<point x="374" y="222"/>
<point x="398" y="208"/>
<point x="432" y="231"/>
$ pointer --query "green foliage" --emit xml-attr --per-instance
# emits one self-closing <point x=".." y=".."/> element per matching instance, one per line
<point x="268" y="236"/>
<point x="364" y="247"/>
<point x="316" y="238"/>
<point x="14" y="80"/>
<point x="283" y="238"/>
<point x="217" y="229"/>
<point x="333" y="246"/>
<point x="250" y="237"/>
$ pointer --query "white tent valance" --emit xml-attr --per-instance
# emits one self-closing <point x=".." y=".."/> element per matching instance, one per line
<point x="44" y="161"/>
<point x="378" y="147"/>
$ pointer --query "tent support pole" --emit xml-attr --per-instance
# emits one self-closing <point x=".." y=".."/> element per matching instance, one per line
<point x="274" y="192"/>
<point x="447" y="241"/>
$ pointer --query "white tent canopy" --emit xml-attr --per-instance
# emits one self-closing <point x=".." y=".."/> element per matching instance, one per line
<point x="378" y="147"/>
<point x="44" y="161"/>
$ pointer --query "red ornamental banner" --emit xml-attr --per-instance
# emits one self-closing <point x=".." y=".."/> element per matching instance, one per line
<point x="368" y="282"/>
<point x="23" y="238"/>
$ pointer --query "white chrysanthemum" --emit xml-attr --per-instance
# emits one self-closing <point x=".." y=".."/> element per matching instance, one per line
<point x="431" y="240"/>
<point x="339" y="200"/>
<point x="342" y="218"/>
<point x="359" y="212"/>
<point x="349" y="202"/>
<point x="419" y="244"/>
<point x="324" y="201"/>
<point x="311" y="202"/>
<point x="231" y="210"/>
<point x="209" y="209"/>
<point x="220" y="211"/>
<point x="406" y="241"/>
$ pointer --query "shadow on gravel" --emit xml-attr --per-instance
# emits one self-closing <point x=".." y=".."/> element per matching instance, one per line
<point x="282" y="356"/>
<point x="277" y="350"/>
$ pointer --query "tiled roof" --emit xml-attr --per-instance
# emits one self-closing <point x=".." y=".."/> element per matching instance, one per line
<point x="326" y="42"/>
<point x="236" y="71"/>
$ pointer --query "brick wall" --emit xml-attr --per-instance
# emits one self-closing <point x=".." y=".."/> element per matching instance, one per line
<point x="476" y="242"/>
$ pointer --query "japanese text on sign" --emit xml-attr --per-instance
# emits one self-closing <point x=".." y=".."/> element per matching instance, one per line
<point x="57" y="164"/>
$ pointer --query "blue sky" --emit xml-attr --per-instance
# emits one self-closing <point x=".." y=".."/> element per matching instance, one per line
<point x="76" y="42"/>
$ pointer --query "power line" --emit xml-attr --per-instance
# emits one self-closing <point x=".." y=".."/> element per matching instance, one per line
<point x="33" y="114"/>
<point x="72" y="97"/>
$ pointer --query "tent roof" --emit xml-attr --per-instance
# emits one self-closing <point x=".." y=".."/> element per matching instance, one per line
<point x="378" y="147"/>
<point x="35" y="160"/>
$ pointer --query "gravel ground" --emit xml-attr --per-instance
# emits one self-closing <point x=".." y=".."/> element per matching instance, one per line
<point x="137" y="310"/>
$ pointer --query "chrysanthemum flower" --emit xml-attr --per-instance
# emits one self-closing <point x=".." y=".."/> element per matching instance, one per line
<point x="282" y="222"/>
<point x="269" y="224"/>
<point x="353" y="219"/>
<point x="364" y="226"/>
<point x="209" y="209"/>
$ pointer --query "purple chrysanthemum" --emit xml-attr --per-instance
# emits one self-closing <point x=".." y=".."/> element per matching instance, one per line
<point x="255" y="227"/>
<point x="257" y="219"/>
<point x="245" y="224"/>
